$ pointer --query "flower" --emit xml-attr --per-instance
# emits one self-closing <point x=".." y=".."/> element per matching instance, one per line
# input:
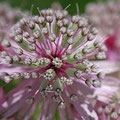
<point x="53" y="54"/>
<point x="8" y="17"/>
<point x="106" y="17"/>
<point x="108" y="105"/>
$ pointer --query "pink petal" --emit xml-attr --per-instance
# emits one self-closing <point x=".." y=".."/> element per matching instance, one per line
<point x="29" y="109"/>
<point x="10" y="69"/>
<point x="111" y="42"/>
<point x="82" y="107"/>
<point x="101" y="116"/>
<point x="45" y="110"/>
<point x="48" y="110"/>
<point x="79" y="86"/>
<point x="109" y="87"/>
<point x="2" y="95"/>
<point x="68" y="113"/>
<point x="118" y="118"/>
<point x="108" y="66"/>
<point x="17" y="97"/>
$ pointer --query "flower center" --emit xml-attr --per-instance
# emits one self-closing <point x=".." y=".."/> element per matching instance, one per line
<point x="57" y="62"/>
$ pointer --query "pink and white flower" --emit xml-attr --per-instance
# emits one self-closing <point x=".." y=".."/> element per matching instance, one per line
<point x="8" y="17"/>
<point x="53" y="54"/>
<point x="108" y="105"/>
<point x="106" y="17"/>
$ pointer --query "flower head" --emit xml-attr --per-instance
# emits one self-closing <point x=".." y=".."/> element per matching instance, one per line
<point x="108" y="105"/>
<point x="106" y="17"/>
<point x="8" y="17"/>
<point x="53" y="53"/>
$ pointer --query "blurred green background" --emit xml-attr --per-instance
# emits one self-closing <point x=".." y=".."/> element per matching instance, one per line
<point x="26" y="4"/>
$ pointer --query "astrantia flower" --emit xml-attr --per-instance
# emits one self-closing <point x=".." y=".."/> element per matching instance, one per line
<point x="8" y="17"/>
<point x="106" y="17"/>
<point x="53" y="53"/>
<point x="108" y="99"/>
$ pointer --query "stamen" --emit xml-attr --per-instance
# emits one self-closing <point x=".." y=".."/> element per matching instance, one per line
<point x="3" y="54"/>
<point x="27" y="75"/>
<point x="6" y="43"/>
<point x="34" y="75"/>
<point x="58" y="92"/>
<point x="114" y="115"/>
<point x="55" y="98"/>
<point x="19" y="51"/>
<point x="78" y="73"/>
<point x="19" y="38"/>
<point x="108" y="110"/>
<point x="16" y="58"/>
<point x="100" y="110"/>
<point x="96" y="83"/>
<point x="101" y="55"/>
<point x="52" y="37"/>
<point x="78" y="56"/>
<point x="69" y="82"/>
<point x="28" y="89"/>
<point x="31" y="39"/>
<point x="28" y="61"/>
<point x="50" y="74"/>
<point x="8" y="59"/>
<point x="7" y="79"/>
<point x="30" y="100"/>
<point x="16" y="75"/>
<point x="101" y="75"/>
<point x="49" y="87"/>
<point x="57" y="62"/>
<point x="74" y="97"/>
<point x="45" y="31"/>
<point x="61" y="105"/>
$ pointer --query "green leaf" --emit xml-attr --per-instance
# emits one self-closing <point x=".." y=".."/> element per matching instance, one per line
<point x="70" y="72"/>
<point x="64" y="41"/>
<point x="78" y="40"/>
<point x="25" y="45"/>
<point x="58" y="84"/>
<point x="44" y="84"/>
<point x="37" y="112"/>
<point x="56" y="29"/>
<point x="57" y="116"/>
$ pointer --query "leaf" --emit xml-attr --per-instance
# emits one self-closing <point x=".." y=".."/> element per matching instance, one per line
<point x="78" y="40"/>
<point x="37" y="112"/>
<point x="57" y="116"/>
